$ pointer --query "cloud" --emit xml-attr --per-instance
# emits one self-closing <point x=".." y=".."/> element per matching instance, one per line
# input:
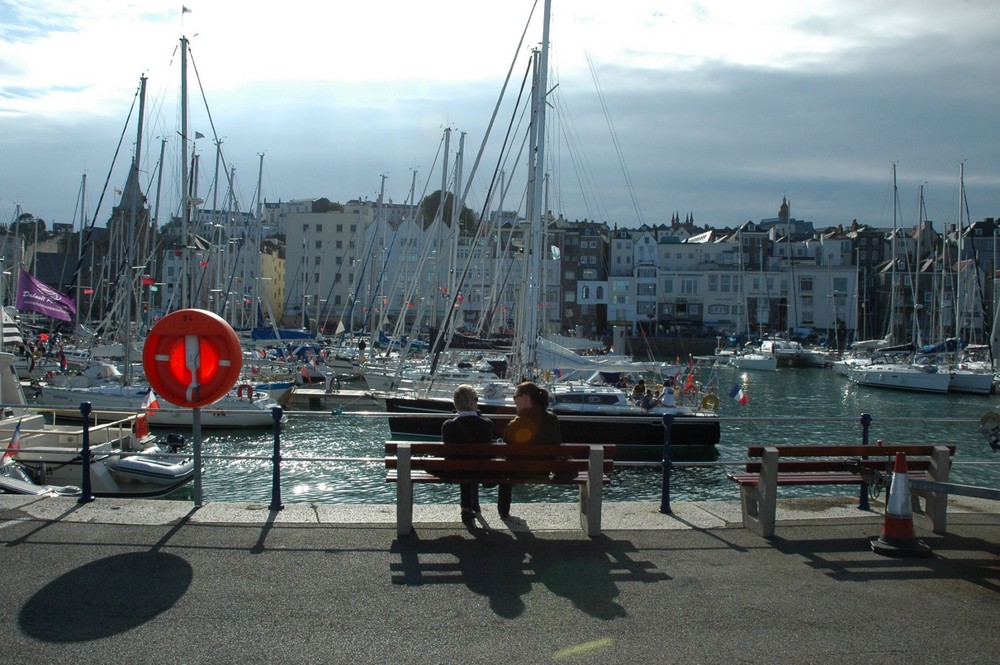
<point x="718" y="108"/>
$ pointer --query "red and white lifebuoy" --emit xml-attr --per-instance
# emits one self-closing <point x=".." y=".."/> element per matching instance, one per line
<point x="245" y="390"/>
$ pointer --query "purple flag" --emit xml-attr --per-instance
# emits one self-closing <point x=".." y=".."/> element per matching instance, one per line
<point x="35" y="296"/>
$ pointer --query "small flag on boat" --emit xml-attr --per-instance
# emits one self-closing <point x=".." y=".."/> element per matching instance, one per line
<point x="15" y="443"/>
<point x="150" y="404"/>
<point x="737" y="394"/>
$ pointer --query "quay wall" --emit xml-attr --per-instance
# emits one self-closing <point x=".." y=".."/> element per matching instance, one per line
<point x="667" y="349"/>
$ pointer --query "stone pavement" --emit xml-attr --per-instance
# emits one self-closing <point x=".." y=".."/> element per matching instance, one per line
<point x="135" y="581"/>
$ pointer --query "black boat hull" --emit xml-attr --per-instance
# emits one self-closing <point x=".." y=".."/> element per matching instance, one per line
<point x="637" y="437"/>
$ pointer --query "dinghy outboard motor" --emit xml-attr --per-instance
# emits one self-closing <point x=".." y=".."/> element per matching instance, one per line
<point x="175" y="441"/>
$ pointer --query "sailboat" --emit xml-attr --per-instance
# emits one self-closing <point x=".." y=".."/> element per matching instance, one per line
<point x="968" y="375"/>
<point x="751" y="356"/>
<point x="588" y="413"/>
<point x="113" y="392"/>
<point x="896" y="367"/>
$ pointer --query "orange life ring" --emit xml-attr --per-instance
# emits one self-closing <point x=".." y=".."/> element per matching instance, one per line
<point x="710" y="401"/>
<point x="248" y="391"/>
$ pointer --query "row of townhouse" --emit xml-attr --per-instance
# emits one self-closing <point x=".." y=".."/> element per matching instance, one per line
<point x="370" y="265"/>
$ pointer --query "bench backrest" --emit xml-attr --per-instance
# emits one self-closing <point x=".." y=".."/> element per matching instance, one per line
<point x="497" y="456"/>
<point x="850" y="450"/>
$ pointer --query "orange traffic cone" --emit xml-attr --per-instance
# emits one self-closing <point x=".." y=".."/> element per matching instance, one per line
<point x="898" y="536"/>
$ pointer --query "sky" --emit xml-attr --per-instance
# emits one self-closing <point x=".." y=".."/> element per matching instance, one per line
<point x="716" y="109"/>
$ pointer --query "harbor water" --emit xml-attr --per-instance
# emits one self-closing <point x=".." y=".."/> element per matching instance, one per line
<point x="338" y="458"/>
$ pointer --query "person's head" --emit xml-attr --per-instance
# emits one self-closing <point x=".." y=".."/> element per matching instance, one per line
<point x="466" y="398"/>
<point x="529" y="394"/>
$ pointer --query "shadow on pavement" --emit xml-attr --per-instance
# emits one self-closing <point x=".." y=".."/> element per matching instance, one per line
<point x="105" y="597"/>
<point x="504" y="566"/>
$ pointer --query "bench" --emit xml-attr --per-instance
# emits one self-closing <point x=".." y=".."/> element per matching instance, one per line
<point x="836" y="464"/>
<point x="585" y="465"/>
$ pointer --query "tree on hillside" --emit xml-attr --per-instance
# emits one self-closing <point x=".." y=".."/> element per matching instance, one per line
<point x="429" y="208"/>
<point x="325" y="205"/>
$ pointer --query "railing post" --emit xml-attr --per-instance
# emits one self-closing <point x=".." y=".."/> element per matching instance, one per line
<point x="668" y="423"/>
<point x="866" y="421"/>
<point x="276" y="462"/>
<point x="86" y="490"/>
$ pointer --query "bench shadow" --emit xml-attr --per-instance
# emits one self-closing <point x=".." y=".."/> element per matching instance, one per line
<point x="503" y="566"/>
<point x="106" y="597"/>
<point x="953" y="557"/>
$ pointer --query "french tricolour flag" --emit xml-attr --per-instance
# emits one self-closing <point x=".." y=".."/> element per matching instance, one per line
<point x="737" y="394"/>
<point x="150" y="404"/>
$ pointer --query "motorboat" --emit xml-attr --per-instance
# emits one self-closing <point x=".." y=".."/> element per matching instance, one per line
<point x="587" y="413"/>
<point x="48" y="450"/>
<point x="790" y="353"/>
<point x="15" y="479"/>
<point x="242" y="407"/>
<point x="891" y="370"/>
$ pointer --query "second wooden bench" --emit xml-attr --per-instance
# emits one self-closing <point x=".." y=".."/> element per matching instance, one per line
<point x="834" y="464"/>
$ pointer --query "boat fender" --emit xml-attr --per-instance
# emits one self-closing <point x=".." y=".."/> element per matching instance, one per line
<point x="245" y="390"/>
<point x="710" y="402"/>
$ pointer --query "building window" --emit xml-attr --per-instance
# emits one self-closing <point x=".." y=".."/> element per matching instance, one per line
<point x="319" y="244"/>
<point x="645" y="289"/>
<point x="689" y="286"/>
<point x="713" y="283"/>
<point x="600" y="293"/>
<point x="805" y="284"/>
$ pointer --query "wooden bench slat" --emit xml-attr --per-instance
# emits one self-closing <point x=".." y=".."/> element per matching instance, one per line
<point x="847" y="450"/>
<point x="571" y="450"/>
<point x="835" y="478"/>
<point x="803" y="465"/>
<point x="427" y="477"/>
<point x="496" y="465"/>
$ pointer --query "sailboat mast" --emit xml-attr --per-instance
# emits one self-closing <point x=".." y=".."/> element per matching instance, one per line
<point x="537" y="216"/>
<point x="79" y="242"/>
<point x="185" y="198"/>
<point x="130" y="273"/>
<point x="256" y="266"/>
<point x="892" y="273"/>
<point x="958" y="306"/>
